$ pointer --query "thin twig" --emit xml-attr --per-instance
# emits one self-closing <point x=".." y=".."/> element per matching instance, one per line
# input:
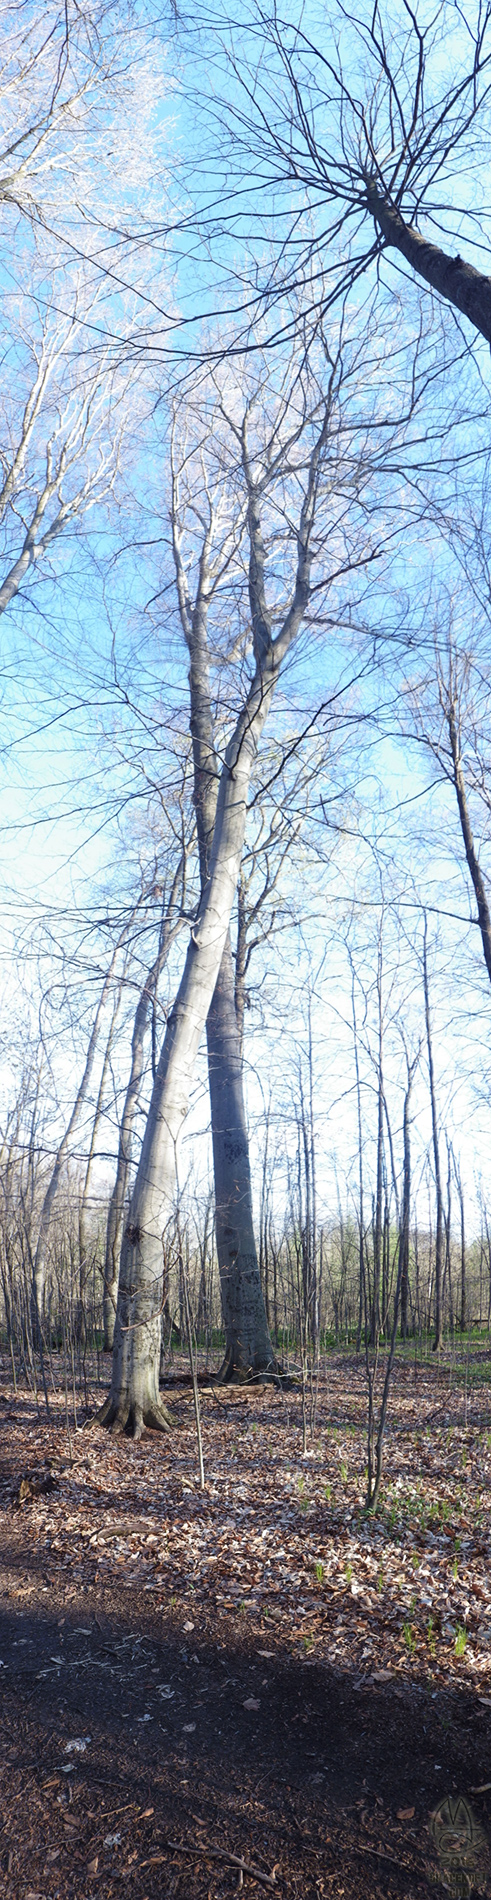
<point x="219" y="1853"/>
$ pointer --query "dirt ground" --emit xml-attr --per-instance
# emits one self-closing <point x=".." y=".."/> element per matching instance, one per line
<point x="249" y="1686"/>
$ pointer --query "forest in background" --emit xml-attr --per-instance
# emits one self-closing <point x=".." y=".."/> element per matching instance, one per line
<point x="245" y="600"/>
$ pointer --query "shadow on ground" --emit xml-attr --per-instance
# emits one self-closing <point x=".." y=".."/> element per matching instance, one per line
<point x="130" y="1751"/>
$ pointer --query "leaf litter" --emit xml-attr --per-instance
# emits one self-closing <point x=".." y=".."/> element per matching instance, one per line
<point x="276" y="1548"/>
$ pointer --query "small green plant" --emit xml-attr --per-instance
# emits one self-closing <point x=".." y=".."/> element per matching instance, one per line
<point x="308" y="1643"/>
<point x="301" y="1484"/>
<point x="380" y="1581"/>
<point x="344" y="1473"/>
<point x="455" y="1569"/>
<point x="319" y="1571"/>
<point x="460" y="1640"/>
<point x="328" y="1492"/>
<point x="409" y="1637"/>
<point x="349" y="1572"/>
<point x="415" y="1560"/>
<point x="305" y="1505"/>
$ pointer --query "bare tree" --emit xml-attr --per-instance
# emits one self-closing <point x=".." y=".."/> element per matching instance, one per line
<point x="196" y="497"/>
<point x="64" y="420"/>
<point x="280" y="447"/>
<point x="439" y="1234"/>
<point x="376" y="127"/>
<point x="450" y="711"/>
<point x="171" y="922"/>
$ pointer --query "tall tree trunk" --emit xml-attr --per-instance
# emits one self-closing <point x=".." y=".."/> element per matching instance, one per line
<point x="484" y="916"/>
<point x="463" y="1276"/>
<point x="134" y="1398"/>
<point x="406" y="1197"/>
<point x="116" y="1205"/>
<point x="248" y="1348"/>
<point x="469" y="290"/>
<point x="436" y="1159"/>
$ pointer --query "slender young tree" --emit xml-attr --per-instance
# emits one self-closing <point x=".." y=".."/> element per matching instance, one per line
<point x="171" y="922"/>
<point x="405" y="1215"/>
<point x="439" y="1231"/>
<point x="450" y="713"/>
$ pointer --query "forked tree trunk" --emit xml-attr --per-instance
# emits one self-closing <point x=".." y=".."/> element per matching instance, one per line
<point x="134" y="1400"/>
<point x="248" y="1345"/>
<point x="248" y="1348"/>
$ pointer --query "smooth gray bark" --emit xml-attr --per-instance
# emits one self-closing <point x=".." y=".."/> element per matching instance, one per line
<point x="248" y="1347"/>
<point x="436" y="1157"/>
<point x="134" y="1398"/>
<point x="406" y="1197"/>
<point x="125" y="1144"/>
<point x="469" y="290"/>
<point x="248" y="1344"/>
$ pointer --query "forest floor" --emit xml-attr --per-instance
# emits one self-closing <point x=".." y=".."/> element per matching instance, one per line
<point x="252" y="1685"/>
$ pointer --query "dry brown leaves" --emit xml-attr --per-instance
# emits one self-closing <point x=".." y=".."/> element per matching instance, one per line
<point x="277" y="1538"/>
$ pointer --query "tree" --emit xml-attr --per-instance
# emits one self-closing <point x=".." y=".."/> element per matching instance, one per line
<point x="449" y="711"/>
<point x="375" y="125"/>
<point x="281" y="443"/>
<point x="197" y="507"/>
<point x="171" y="922"/>
<point x="64" y="420"/>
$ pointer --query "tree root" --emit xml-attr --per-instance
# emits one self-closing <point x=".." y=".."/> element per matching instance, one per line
<point x="132" y="1419"/>
<point x="231" y="1374"/>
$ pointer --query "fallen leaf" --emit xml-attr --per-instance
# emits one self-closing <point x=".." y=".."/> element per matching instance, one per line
<point x="405" y="1814"/>
<point x="189" y="1728"/>
<point x="92" y="1865"/>
<point x="251" y="1703"/>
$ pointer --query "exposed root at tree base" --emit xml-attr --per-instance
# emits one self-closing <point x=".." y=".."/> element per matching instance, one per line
<point x="133" y="1419"/>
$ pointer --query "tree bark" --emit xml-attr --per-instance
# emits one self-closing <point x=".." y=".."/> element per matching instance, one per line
<point x="469" y="290"/>
<point x="467" y="835"/>
<point x="134" y="1398"/>
<point x="116" y="1205"/>
<point x="248" y="1346"/>
<point x="436" y="1160"/>
<point x="406" y="1199"/>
